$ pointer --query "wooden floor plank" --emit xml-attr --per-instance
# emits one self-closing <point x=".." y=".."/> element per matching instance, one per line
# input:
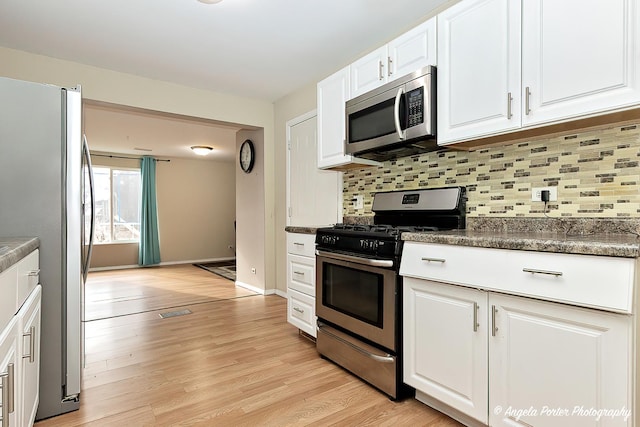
<point x="234" y="361"/>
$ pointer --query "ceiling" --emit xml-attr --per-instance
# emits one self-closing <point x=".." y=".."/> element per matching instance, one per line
<point x="262" y="49"/>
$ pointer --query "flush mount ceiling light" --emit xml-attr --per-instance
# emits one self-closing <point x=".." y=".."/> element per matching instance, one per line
<point x="210" y="1"/>
<point x="201" y="150"/>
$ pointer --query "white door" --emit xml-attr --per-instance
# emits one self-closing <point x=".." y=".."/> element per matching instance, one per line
<point x="548" y="355"/>
<point x="445" y="344"/>
<point x="412" y="51"/>
<point x="313" y="193"/>
<point x="579" y="57"/>
<point x="478" y="69"/>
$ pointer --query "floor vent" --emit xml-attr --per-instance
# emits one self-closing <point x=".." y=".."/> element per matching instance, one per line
<point x="175" y="313"/>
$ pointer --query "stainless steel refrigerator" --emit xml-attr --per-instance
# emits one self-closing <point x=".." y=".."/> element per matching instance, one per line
<point x="43" y="162"/>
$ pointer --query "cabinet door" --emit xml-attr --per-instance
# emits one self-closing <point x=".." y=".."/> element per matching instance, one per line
<point x="29" y="316"/>
<point x="369" y="72"/>
<point x="10" y="374"/>
<point x="548" y="355"/>
<point x="579" y="57"/>
<point x="332" y="95"/>
<point x="478" y="69"/>
<point x="445" y="344"/>
<point x="412" y="51"/>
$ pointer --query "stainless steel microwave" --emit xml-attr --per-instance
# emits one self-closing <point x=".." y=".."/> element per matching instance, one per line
<point x="395" y="120"/>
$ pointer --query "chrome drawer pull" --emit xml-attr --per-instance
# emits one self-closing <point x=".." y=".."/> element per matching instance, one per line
<point x="32" y="345"/>
<point x="550" y="273"/>
<point x="8" y="394"/>
<point x="299" y="310"/>
<point x="298" y="244"/>
<point x="34" y="273"/>
<point x="301" y="273"/>
<point x="433" y="259"/>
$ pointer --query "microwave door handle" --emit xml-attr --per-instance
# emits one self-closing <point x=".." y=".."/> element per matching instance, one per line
<point x="396" y="114"/>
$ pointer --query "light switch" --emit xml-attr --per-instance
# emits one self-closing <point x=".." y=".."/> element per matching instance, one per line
<point x="359" y="202"/>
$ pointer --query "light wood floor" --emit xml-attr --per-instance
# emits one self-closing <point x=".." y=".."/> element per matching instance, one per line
<point x="234" y="361"/>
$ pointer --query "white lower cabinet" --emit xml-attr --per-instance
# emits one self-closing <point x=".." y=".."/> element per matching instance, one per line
<point x="445" y="344"/>
<point x="20" y="343"/>
<point x="488" y="358"/>
<point x="301" y="282"/>
<point x="564" y="362"/>
<point x="9" y="370"/>
<point x="30" y="315"/>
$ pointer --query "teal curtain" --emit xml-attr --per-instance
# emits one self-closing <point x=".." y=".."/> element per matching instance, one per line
<point x="149" y="248"/>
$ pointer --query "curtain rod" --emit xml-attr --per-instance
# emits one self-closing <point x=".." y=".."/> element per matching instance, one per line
<point x="125" y="157"/>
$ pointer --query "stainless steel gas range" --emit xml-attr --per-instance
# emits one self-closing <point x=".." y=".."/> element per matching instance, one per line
<point x="358" y="286"/>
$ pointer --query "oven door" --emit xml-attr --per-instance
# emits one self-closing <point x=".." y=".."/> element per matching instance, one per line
<point x="358" y="295"/>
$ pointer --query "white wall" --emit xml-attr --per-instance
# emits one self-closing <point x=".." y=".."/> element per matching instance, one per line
<point x="250" y="216"/>
<point x="126" y="89"/>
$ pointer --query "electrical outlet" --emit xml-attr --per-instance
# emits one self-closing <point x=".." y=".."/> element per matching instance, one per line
<point x="536" y="195"/>
<point x="253" y="270"/>
<point x="358" y="202"/>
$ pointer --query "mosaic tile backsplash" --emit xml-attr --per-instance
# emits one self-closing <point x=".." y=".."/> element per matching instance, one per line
<point x="596" y="174"/>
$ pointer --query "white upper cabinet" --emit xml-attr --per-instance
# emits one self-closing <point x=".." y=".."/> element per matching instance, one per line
<point x="369" y="72"/>
<point x="579" y="57"/>
<point x="332" y="95"/>
<point x="479" y="69"/>
<point x="504" y="65"/>
<point x="411" y="51"/>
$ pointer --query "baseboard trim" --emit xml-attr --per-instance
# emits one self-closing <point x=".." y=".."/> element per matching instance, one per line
<point x="195" y="261"/>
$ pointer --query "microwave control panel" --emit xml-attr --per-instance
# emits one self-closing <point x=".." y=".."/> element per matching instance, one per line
<point x="415" y="107"/>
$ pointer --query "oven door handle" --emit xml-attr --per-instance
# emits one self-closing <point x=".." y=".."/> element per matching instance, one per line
<point x="387" y="358"/>
<point x="388" y="263"/>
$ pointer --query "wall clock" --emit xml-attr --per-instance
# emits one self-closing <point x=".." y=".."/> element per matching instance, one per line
<point x="247" y="156"/>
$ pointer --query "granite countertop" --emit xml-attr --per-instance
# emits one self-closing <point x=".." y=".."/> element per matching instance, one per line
<point x="625" y="245"/>
<point x="304" y="229"/>
<point x="13" y="249"/>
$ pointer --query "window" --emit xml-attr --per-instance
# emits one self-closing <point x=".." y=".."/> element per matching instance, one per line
<point x="118" y="194"/>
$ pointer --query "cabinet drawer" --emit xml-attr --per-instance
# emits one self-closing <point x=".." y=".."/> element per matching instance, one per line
<point x="8" y="295"/>
<point x="584" y="280"/>
<point x="301" y="312"/>
<point x="301" y="244"/>
<point x="28" y="276"/>
<point x="301" y="274"/>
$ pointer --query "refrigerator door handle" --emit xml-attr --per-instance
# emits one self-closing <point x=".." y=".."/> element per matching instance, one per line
<point x="87" y="156"/>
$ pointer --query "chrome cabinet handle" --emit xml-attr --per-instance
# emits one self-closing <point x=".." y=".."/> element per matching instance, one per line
<point x="381" y="70"/>
<point x="494" y="327"/>
<point x="509" y="100"/>
<point x="34" y="273"/>
<point x="427" y="259"/>
<point x="298" y="244"/>
<point x="32" y="345"/>
<point x="475" y="317"/>
<point x="389" y="65"/>
<point x="299" y="310"/>
<point x="8" y="394"/>
<point x="547" y="272"/>
<point x="527" y="98"/>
